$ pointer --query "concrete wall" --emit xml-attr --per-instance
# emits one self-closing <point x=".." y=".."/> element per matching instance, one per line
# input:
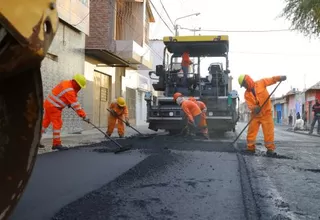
<point x="67" y="59"/>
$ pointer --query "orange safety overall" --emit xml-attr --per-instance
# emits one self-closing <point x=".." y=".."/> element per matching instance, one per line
<point x="122" y="113"/>
<point x="203" y="121"/>
<point x="192" y="112"/>
<point x="64" y="94"/>
<point x="256" y="95"/>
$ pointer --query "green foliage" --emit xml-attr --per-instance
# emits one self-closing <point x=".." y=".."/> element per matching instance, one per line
<point x="304" y="15"/>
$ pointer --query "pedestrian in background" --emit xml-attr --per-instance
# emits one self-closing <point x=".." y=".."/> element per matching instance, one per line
<point x="316" y="117"/>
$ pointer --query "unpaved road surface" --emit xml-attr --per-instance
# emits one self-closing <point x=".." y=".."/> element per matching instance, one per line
<point x="176" y="178"/>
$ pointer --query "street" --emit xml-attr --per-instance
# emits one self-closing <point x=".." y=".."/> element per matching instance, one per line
<point x="167" y="177"/>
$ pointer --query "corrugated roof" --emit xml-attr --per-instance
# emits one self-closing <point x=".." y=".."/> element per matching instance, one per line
<point x="315" y="86"/>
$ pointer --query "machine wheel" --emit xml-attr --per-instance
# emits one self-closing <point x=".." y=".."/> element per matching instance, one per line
<point x="21" y="100"/>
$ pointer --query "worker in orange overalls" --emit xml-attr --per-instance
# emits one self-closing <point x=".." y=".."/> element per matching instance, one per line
<point x="186" y="62"/>
<point x="62" y="95"/>
<point x="255" y="95"/>
<point x="191" y="110"/>
<point x="203" y="122"/>
<point x="118" y="109"/>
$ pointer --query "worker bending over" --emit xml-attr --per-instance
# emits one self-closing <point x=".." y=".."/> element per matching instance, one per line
<point x="118" y="109"/>
<point x="62" y="95"/>
<point x="255" y="95"/>
<point x="191" y="111"/>
<point x="203" y="121"/>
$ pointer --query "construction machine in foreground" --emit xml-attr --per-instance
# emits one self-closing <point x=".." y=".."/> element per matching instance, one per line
<point x="215" y="89"/>
<point x="27" y="29"/>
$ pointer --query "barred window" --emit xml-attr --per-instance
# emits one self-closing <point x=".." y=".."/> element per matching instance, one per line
<point x="104" y="93"/>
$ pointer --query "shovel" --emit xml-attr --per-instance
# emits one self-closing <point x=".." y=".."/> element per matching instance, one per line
<point x="142" y="136"/>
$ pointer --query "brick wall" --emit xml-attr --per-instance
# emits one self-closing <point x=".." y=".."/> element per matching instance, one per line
<point x="102" y="25"/>
<point x="67" y="58"/>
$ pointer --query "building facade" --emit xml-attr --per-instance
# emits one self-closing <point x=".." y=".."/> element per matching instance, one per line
<point x="311" y="94"/>
<point x="116" y="49"/>
<point x="296" y="102"/>
<point x="66" y="55"/>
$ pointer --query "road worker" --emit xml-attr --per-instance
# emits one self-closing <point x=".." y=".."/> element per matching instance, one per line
<point x="203" y="122"/>
<point x="62" y="95"/>
<point x="255" y="95"/>
<point x="191" y="110"/>
<point x="185" y="63"/>
<point x="118" y="109"/>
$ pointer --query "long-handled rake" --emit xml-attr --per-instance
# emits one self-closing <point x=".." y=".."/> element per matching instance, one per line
<point x="121" y="148"/>
<point x="142" y="136"/>
<point x="236" y="139"/>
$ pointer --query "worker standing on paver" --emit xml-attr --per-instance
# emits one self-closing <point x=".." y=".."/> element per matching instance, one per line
<point x="203" y="122"/>
<point x="316" y="117"/>
<point x="191" y="110"/>
<point x="62" y="95"/>
<point x="255" y="95"/>
<point x="186" y="62"/>
<point x="118" y="109"/>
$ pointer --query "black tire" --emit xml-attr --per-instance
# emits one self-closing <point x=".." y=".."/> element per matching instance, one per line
<point x="21" y="109"/>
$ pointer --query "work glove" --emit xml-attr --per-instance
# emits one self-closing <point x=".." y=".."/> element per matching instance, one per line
<point x="283" y="78"/>
<point x="113" y="113"/>
<point x="257" y="110"/>
<point x="86" y="119"/>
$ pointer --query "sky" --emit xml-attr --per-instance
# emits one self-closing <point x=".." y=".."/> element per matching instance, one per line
<point x="259" y="55"/>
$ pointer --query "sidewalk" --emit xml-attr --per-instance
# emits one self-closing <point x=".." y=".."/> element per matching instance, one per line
<point x="305" y="132"/>
<point x="89" y="137"/>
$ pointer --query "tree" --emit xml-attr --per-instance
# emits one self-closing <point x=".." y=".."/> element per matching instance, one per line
<point x="304" y="15"/>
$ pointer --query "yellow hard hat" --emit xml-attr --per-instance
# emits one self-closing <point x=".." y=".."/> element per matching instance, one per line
<point x="121" y="102"/>
<point x="240" y="79"/>
<point x="81" y="80"/>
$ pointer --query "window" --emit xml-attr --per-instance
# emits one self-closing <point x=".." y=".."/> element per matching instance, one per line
<point x="104" y="93"/>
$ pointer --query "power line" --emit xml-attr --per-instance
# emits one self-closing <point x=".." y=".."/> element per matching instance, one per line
<point x="133" y="29"/>
<point x="165" y="10"/>
<point x="241" y="31"/>
<point x="278" y="54"/>
<point x="161" y="17"/>
<point x="81" y="20"/>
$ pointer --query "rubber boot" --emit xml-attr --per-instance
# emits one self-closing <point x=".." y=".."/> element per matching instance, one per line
<point x="59" y="147"/>
<point x="250" y="152"/>
<point x="271" y="153"/>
